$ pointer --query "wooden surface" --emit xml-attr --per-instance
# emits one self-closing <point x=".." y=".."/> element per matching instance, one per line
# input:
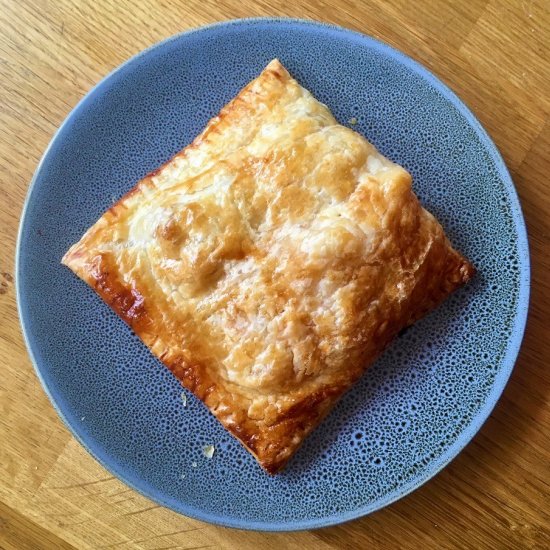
<point x="495" y="55"/>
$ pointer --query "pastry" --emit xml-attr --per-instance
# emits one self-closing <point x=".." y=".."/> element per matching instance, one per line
<point x="270" y="262"/>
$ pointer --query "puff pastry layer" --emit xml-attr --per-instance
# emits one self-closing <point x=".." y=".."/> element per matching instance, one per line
<point x="270" y="262"/>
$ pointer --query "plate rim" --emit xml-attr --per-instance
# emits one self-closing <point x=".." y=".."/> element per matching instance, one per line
<point x="506" y="365"/>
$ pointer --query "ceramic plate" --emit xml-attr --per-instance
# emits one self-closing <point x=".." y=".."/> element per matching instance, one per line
<point x="408" y="416"/>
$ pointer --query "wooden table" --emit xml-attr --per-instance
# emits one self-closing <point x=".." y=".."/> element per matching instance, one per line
<point x="495" y="55"/>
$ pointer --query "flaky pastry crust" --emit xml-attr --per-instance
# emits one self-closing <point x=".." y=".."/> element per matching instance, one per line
<point x="270" y="262"/>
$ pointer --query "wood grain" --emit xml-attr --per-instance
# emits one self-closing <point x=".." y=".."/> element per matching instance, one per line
<point x="495" y="55"/>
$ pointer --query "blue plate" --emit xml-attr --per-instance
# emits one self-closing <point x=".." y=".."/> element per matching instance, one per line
<point x="408" y="416"/>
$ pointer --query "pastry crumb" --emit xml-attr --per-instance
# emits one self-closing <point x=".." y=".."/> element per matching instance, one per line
<point x="353" y="121"/>
<point x="184" y="399"/>
<point x="194" y="464"/>
<point x="208" y="451"/>
<point x="183" y="476"/>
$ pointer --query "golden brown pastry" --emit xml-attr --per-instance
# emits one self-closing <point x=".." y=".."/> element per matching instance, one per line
<point x="270" y="262"/>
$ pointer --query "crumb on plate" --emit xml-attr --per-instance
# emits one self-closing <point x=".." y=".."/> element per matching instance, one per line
<point x="208" y="451"/>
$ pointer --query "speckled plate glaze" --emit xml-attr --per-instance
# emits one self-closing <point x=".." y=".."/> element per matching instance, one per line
<point x="408" y="416"/>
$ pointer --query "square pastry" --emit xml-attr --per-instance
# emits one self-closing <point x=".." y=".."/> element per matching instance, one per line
<point x="270" y="262"/>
